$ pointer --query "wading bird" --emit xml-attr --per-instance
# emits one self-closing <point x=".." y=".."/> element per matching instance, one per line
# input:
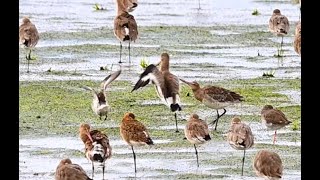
<point x="166" y="84"/>
<point x="273" y="119"/>
<point x="66" y="170"/>
<point x="97" y="146"/>
<point x="268" y="164"/>
<point x="279" y="25"/>
<point x="214" y="97"/>
<point x="125" y="26"/>
<point x="28" y="37"/>
<point x="297" y="39"/>
<point x="196" y="132"/>
<point x="240" y="137"/>
<point x="100" y="105"/>
<point x="134" y="133"/>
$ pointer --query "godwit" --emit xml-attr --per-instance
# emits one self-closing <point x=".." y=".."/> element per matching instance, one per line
<point x="267" y="164"/>
<point x="166" y="84"/>
<point x="240" y="137"/>
<point x="279" y="25"/>
<point x="214" y="97"/>
<point x="134" y="133"/>
<point x="125" y="26"/>
<point x="196" y="132"/>
<point x="66" y="170"/>
<point x="97" y="147"/>
<point x="273" y="119"/>
<point x="100" y="104"/>
<point x="28" y="37"/>
<point x="297" y="39"/>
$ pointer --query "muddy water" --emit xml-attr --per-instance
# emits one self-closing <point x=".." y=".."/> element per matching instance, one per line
<point x="38" y="158"/>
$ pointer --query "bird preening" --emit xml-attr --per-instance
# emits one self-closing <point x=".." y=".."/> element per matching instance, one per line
<point x="97" y="146"/>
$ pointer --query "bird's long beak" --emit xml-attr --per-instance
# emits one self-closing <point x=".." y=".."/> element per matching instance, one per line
<point x="89" y="136"/>
<point x="188" y="83"/>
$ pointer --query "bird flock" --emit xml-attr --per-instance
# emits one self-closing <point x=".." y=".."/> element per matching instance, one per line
<point x="97" y="147"/>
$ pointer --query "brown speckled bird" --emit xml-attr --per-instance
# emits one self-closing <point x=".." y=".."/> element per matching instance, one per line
<point x="125" y="26"/>
<point x="134" y="133"/>
<point x="66" y="170"/>
<point x="28" y="37"/>
<point x="196" y="132"/>
<point x="279" y="25"/>
<point x="166" y="84"/>
<point x="214" y="97"/>
<point x="297" y="39"/>
<point x="97" y="146"/>
<point x="273" y="119"/>
<point x="268" y="164"/>
<point x="240" y="137"/>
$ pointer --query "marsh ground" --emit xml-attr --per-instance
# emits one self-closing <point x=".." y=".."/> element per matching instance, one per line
<point x="221" y="44"/>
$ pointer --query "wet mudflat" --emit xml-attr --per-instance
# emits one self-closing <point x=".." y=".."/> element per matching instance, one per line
<point x="220" y="44"/>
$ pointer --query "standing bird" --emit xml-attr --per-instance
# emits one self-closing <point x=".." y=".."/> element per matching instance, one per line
<point x="214" y="97"/>
<point x="268" y="164"/>
<point x="196" y="132"/>
<point x="28" y="37"/>
<point x="100" y="104"/>
<point x="66" y="170"/>
<point x="134" y="133"/>
<point x="279" y="25"/>
<point x="240" y="137"/>
<point x="97" y="147"/>
<point x="125" y="26"/>
<point x="166" y="84"/>
<point x="297" y="39"/>
<point x="273" y="119"/>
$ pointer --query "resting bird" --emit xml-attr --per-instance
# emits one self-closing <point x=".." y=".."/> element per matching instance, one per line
<point x="28" y="37"/>
<point x="66" y="170"/>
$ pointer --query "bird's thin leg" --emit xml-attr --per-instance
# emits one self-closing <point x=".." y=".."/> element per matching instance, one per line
<point x="218" y="116"/>
<point x="134" y="159"/>
<point x="281" y="45"/>
<point x="103" y="171"/>
<point x="129" y="52"/>
<point x="92" y="169"/>
<point x="175" y="116"/>
<point x="106" y="117"/>
<point x="199" y="4"/>
<point x="28" y="57"/>
<point x="275" y="136"/>
<point x="120" y="51"/>
<point x="195" y="148"/>
<point x="244" y="155"/>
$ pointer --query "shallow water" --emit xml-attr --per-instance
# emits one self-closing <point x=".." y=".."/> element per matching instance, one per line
<point x="38" y="157"/>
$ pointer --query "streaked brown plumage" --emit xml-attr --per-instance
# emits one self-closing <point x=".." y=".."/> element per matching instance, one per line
<point x="66" y="170"/>
<point x="240" y="137"/>
<point x="214" y="97"/>
<point x="273" y="119"/>
<point x="100" y="105"/>
<point x="125" y="26"/>
<point x="279" y="25"/>
<point x="28" y="37"/>
<point x="165" y="83"/>
<point x="134" y="133"/>
<point x="196" y="132"/>
<point x="268" y="164"/>
<point x="297" y="39"/>
<point x="97" y="146"/>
